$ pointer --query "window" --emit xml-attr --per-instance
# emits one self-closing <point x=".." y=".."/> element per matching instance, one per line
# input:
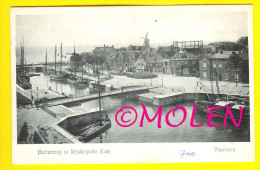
<point x="226" y="78"/>
<point x="214" y="65"/>
<point x="204" y="65"/>
<point x="220" y="67"/>
<point x="205" y="75"/>
<point x="226" y="67"/>
<point x="236" y="77"/>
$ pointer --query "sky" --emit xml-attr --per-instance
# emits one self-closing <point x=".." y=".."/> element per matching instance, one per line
<point x="122" y="26"/>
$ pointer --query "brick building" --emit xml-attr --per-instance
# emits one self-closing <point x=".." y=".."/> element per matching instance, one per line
<point x="218" y="66"/>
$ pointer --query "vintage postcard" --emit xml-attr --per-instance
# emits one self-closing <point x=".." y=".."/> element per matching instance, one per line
<point x="132" y="84"/>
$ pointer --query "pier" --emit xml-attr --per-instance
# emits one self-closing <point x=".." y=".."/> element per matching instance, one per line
<point x="96" y="96"/>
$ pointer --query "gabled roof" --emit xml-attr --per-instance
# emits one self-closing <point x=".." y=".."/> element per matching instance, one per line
<point x="154" y="58"/>
<point x="119" y="55"/>
<point x="223" y="54"/>
<point x="128" y="55"/>
<point x="141" y="57"/>
<point x="166" y="48"/>
<point x="154" y="51"/>
<point x="185" y="55"/>
<point x="111" y="56"/>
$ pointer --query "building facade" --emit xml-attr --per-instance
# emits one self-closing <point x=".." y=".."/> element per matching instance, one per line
<point x="218" y="67"/>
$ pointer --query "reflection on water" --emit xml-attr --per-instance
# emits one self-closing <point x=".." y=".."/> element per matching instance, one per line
<point x="149" y="133"/>
<point x="44" y="82"/>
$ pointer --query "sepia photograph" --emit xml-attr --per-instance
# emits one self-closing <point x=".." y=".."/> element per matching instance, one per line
<point x="136" y="74"/>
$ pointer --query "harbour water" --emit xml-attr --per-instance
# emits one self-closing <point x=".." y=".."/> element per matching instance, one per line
<point x="44" y="82"/>
<point x="37" y="55"/>
<point x="149" y="133"/>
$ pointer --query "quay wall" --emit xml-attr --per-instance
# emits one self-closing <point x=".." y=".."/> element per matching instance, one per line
<point x="145" y="99"/>
<point x="79" y="120"/>
<point x="167" y="99"/>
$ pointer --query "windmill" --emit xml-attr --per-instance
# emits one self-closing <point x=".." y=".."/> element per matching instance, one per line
<point x="146" y="40"/>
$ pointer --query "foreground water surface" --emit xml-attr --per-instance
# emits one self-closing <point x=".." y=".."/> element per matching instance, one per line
<point x="149" y="133"/>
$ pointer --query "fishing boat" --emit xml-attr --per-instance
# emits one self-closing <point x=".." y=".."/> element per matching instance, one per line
<point x="72" y="79"/>
<point x="81" y="81"/>
<point x="233" y="105"/>
<point x="217" y="100"/>
<point x="99" y="126"/>
<point x="59" y="76"/>
<point x="22" y="77"/>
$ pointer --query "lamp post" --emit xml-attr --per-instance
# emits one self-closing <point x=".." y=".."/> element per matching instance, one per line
<point x="162" y="80"/>
<point x="236" y="76"/>
<point x="37" y="100"/>
<point x="99" y="99"/>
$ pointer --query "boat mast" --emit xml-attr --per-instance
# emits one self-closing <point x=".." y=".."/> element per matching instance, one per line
<point x="46" y="61"/>
<point x="22" y="56"/>
<point x="205" y="91"/>
<point x="61" y="57"/>
<point x="217" y="82"/>
<point x="75" y="59"/>
<point x="25" y="66"/>
<point x="196" y="89"/>
<point x="82" y="66"/>
<point x="99" y="99"/>
<point x="211" y="76"/>
<point x="55" y="59"/>
<point x="227" y="92"/>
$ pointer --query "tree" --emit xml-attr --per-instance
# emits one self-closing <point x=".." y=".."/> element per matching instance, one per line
<point x="243" y="43"/>
<point x="76" y="59"/>
<point x="235" y="60"/>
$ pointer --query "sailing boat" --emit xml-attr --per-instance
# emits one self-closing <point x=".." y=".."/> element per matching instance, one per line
<point x="99" y="126"/>
<point x="60" y="76"/>
<point x="81" y="81"/>
<point x="23" y="79"/>
<point x="219" y="101"/>
<point x="73" y="79"/>
<point x="46" y="70"/>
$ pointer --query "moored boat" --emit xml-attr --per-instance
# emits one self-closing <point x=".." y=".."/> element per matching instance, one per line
<point x="95" y="130"/>
<point x="72" y="79"/>
<point x="82" y="82"/>
<point x="97" y="127"/>
<point x="59" y="76"/>
<point x="234" y="104"/>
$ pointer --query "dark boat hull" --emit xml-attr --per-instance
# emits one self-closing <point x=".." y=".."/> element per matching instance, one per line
<point x="98" y="131"/>
<point x="201" y="114"/>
